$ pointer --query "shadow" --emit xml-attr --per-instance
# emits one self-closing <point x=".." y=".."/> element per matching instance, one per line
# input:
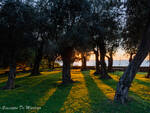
<point x="111" y="82"/>
<point x="5" y="74"/>
<point x="140" y="103"/>
<point x="30" y="91"/>
<point x="142" y="82"/>
<point x="119" y="74"/>
<point x="34" y="89"/>
<point x="97" y="97"/>
<point x="19" y="76"/>
<point x="26" y="79"/>
<point x="100" y="103"/>
<point x="56" y="101"/>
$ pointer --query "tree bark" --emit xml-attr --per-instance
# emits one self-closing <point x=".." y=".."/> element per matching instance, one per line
<point x="131" y="55"/>
<point x="104" y="74"/>
<point x="148" y="75"/>
<point x="51" y="63"/>
<point x="83" y="68"/>
<point x="66" y="57"/>
<point x="38" y="59"/>
<point x="125" y="81"/>
<point x="110" y="62"/>
<point x="12" y="71"/>
<point x="97" y="62"/>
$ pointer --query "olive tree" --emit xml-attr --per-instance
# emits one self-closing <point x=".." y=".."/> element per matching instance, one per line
<point x="70" y="20"/>
<point x="17" y="22"/>
<point x="138" y="14"/>
<point x="104" y="20"/>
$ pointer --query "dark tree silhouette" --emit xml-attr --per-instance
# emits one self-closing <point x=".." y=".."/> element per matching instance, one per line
<point x="136" y="20"/>
<point x="16" y="19"/>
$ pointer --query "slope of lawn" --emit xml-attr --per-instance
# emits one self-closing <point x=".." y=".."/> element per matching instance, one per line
<point x="88" y="94"/>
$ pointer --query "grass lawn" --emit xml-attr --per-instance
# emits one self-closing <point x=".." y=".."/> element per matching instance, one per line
<point x="88" y="94"/>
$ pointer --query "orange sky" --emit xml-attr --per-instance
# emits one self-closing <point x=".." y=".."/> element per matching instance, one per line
<point x="120" y="55"/>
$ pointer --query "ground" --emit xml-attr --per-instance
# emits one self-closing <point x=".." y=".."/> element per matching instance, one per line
<point x="88" y="94"/>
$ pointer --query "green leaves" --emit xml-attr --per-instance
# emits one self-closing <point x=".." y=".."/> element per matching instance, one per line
<point x="69" y="16"/>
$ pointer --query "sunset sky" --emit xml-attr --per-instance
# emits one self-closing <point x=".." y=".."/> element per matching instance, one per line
<point x="120" y="55"/>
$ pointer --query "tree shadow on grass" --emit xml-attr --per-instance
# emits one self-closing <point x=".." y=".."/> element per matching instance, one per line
<point x="98" y="99"/>
<point x="119" y="74"/>
<point x="142" y="82"/>
<point x="100" y="103"/>
<point x="31" y="91"/>
<point x="25" y="80"/>
<point x="135" y="101"/>
<point x="56" y="101"/>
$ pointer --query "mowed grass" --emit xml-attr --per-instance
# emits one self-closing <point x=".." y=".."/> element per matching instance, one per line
<point x="88" y="94"/>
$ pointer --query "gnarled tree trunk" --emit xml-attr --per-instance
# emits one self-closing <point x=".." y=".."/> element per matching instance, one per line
<point x="125" y="81"/>
<point x="110" y="62"/>
<point x="66" y="57"/>
<point x="97" y="62"/>
<point x="38" y="59"/>
<point x="131" y="57"/>
<point x="83" y="68"/>
<point x="51" y="63"/>
<point x="148" y="75"/>
<point x="104" y="74"/>
<point x="12" y="71"/>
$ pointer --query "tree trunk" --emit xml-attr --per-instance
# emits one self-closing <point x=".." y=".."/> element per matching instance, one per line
<point x="97" y="62"/>
<point x="50" y="64"/>
<point x="110" y="60"/>
<point x="131" y="55"/>
<point x="38" y="59"/>
<point x="104" y="74"/>
<point x="110" y="63"/>
<point x="148" y="75"/>
<point x="53" y="64"/>
<point x="83" y="68"/>
<point x="125" y="81"/>
<point x="12" y="71"/>
<point x="66" y="57"/>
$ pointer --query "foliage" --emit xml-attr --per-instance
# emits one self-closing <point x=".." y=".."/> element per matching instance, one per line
<point x="17" y="24"/>
<point x="69" y="18"/>
<point x="137" y="17"/>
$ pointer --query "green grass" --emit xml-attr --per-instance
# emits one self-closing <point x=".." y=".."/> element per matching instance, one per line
<point x="88" y="94"/>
